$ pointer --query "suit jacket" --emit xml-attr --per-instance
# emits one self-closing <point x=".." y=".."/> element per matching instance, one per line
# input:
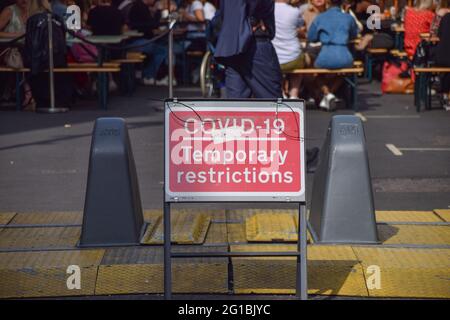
<point x="236" y="33"/>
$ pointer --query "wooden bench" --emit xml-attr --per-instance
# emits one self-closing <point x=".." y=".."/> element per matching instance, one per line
<point x="398" y="53"/>
<point x="422" y="85"/>
<point x="102" y="72"/>
<point x="372" y="56"/>
<point x="350" y="76"/>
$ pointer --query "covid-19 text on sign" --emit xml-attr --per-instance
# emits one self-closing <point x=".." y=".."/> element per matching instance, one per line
<point x="229" y="153"/>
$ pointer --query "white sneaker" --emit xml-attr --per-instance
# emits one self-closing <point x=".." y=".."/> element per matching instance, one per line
<point x="165" y="81"/>
<point x="148" y="81"/>
<point x="325" y="103"/>
<point x="112" y="85"/>
<point x="138" y="74"/>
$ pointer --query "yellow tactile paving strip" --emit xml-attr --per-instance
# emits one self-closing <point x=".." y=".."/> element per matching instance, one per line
<point x="410" y="273"/>
<point x="187" y="228"/>
<point x="50" y="218"/>
<point x="406" y="216"/>
<point x="444" y="214"/>
<point x="6" y="217"/>
<point x="39" y="238"/>
<point x="271" y="227"/>
<point x="217" y="234"/>
<point x="414" y="234"/>
<point x="333" y="270"/>
<point x="239" y="215"/>
<point x="140" y="270"/>
<point x="44" y="273"/>
<point x="262" y="227"/>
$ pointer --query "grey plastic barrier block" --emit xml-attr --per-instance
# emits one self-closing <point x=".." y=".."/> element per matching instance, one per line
<point x="342" y="207"/>
<point x="113" y="210"/>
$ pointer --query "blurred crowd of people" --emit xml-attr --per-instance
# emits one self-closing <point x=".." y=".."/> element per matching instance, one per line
<point x="308" y="34"/>
<point x="113" y="17"/>
<point x="330" y="34"/>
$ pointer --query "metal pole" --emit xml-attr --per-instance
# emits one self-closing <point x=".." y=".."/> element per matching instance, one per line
<point x="171" y="17"/>
<point x="302" y="285"/>
<point x="51" y="68"/>
<point x="167" y="253"/>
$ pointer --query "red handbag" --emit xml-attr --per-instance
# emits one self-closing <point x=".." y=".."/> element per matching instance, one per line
<point x="393" y="82"/>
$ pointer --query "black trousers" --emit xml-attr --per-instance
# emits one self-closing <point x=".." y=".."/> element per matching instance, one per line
<point x="255" y="73"/>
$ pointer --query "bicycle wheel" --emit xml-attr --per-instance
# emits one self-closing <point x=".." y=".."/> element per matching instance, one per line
<point x="206" y="76"/>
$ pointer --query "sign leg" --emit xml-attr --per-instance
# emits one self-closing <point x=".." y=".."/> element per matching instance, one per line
<point x="302" y="285"/>
<point x="167" y="253"/>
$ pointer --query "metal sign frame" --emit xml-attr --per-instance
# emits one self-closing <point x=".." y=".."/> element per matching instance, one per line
<point x="301" y="253"/>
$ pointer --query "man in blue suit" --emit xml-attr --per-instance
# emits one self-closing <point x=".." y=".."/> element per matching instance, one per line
<point x="244" y="46"/>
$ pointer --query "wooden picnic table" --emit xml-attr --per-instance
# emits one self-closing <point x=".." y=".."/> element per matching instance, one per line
<point x="427" y="36"/>
<point x="133" y="34"/>
<point x="100" y="39"/>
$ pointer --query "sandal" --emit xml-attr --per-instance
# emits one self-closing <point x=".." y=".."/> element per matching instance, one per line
<point x="29" y="104"/>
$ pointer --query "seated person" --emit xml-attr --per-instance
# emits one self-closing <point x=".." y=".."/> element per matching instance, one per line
<point x="418" y="20"/>
<point x="334" y="29"/>
<point x="144" y="17"/>
<point x="442" y="57"/>
<point x="442" y="10"/>
<point x="105" y="19"/>
<point x="209" y="10"/>
<point x="312" y="9"/>
<point x="193" y="13"/>
<point x="124" y="7"/>
<point x="287" y="44"/>
<point x="13" y="19"/>
<point x="59" y="8"/>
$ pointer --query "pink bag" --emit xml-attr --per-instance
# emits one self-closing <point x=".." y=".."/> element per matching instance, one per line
<point x="392" y="82"/>
<point x="84" y="52"/>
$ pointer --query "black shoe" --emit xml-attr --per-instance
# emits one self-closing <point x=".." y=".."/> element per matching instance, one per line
<point x="312" y="158"/>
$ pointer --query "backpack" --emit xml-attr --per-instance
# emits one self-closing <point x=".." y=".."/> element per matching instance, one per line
<point x="422" y="55"/>
<point x="36" y="54"/>
<point x="36" y="57"/>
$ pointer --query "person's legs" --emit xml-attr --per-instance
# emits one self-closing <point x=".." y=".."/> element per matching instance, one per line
<point x="295" y="81"/>
<point x="264" y="74"/>
<point x="445" y="86"/>
<point x="236" y="87"/>
<point x="157" y="53"/>
<point x="331" y="86"/>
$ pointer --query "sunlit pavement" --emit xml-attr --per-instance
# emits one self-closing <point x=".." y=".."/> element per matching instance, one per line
<point x="44" y="158"/>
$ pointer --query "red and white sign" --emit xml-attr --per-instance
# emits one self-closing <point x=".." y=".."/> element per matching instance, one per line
<point x="233" y="153"/>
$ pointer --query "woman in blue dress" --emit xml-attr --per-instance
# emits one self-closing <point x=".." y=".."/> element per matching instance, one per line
<point x="333" y="29"/>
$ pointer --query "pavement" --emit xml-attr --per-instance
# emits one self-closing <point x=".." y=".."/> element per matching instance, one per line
<point x="44" y="158"/>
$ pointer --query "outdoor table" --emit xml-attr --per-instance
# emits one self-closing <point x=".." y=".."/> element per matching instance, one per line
<point x="427" y="37"/>
<point x="133" y="34"/>
<point x="100" y="40"/>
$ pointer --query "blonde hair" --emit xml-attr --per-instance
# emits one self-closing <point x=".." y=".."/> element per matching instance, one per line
<point x="425" y="4"/>
<point x="38" y="6"/>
